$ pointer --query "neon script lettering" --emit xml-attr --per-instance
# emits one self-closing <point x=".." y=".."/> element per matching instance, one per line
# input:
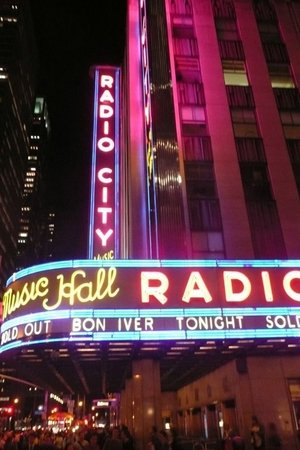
<point x="71" y="289"/>
<point x="13" y="300"/>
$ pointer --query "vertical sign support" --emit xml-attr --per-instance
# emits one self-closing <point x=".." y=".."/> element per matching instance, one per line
<point x="104" y="198"/>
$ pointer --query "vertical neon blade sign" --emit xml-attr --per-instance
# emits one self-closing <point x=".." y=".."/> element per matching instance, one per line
<point x="104" y="202"/>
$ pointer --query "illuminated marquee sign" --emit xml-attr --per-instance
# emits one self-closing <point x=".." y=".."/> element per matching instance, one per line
<point x="118" y="300"/>
<point x="103" y="232"/>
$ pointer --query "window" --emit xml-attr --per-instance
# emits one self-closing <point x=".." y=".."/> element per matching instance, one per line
<point x="243" y="115"/>
<point x="294" y="152"/>
<point x="200" y="179"/>
<point x="192" y="114"/>
<point x="181" y="7"/>
<point x="223" y="8"/>
<point x="194" y="129"/>
<point x="240" y="96"/>
<point x="244" y="122"/>
<point x="201" y="188"/>
<point x="275" y="52"/>
<point x="255" y="180"/>
<point x="201" y="191"/>
<point x="291" y="131"/>
<point x="264" y="11"/>
<point x="245" y="130"/>
<point x="266" y="230"/>
<point x="190" y="93"/>
<point x="182" y="20"/>
<point x="207" y="244"/>
<point x="269" y="32"/>
<point x="250" y="150"/>
<point x="188" y="76"/>
<point x="186" y="65"/>
<point x="227" y="29"/>
<point x="199" y="171"/>
<point x="183" y="31"/>
<point x="235" y="73"/>
<point x="197" y="148"/>
<point x="205" y="214"/>
<point x="231" y="50"/>
<point x="185" y="46"/>
<point x="280" y="76"/>
<point x="290" y="117"/>
<point x="288" y="99"/>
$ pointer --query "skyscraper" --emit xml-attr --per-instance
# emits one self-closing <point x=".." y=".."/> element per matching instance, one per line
<point x="32" y="236"/>
<point x="17" y="90"/>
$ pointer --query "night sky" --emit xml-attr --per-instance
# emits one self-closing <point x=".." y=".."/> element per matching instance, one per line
<point x="72" y="36"/>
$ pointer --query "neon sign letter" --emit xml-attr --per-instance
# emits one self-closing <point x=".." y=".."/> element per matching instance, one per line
<point x="157" y="290"/>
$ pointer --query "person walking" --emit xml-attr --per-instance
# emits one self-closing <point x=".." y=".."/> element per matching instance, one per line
<point x="257" y="434"/>
<point x="114" y="441"/>
<point x="127" y="438"/>
<point x="273" y="438"/>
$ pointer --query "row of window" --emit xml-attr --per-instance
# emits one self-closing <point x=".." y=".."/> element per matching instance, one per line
<point x="240" y="100"/>
<point x="204" y="210"/>
<point x="275" y="52"/>
<point x="199" y="171"/>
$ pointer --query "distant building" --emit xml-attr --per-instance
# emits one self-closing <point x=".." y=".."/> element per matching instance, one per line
<point x="17" y="90"/>
<point x="34" y="218"/>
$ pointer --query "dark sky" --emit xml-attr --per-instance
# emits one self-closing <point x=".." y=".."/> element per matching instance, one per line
<point x="71" y="36"/>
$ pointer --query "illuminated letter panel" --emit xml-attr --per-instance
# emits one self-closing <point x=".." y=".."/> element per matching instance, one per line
<point x="103" y="232"/>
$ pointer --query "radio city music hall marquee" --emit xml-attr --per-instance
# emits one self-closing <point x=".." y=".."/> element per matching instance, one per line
<point x="103" y="232"/>
<point x="97" y="300"/>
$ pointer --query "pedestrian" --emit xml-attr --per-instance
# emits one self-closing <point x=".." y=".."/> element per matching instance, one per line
<point x="227" y="437"/>
<point x="164" y="440"/>
<point x="113" y="442"/>
<point x="238" y="443"/>
<point x="81" y="442"/>
<point x="29" y="441"/>
<point x="10" y="442"/>
<point x="127" y="438"/>
<point x="175" y="443"/>
<point x="273" y="438"/>
<point x="93" y="442"/>
<point x="154" y="442"/>
<point x="257" y="434"/>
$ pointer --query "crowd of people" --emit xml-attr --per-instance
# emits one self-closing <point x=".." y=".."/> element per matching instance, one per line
<point x="117" y="438"/>
<point x="260" y="439"/>
<point x="120" y="438"/>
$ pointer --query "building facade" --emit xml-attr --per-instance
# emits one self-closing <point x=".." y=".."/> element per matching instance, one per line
<point x="17" y="86"/>
<point x="218" y="109"/>
<point x="213" y="134"/>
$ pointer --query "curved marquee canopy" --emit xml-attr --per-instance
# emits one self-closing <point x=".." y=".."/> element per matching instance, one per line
<point x="121" y="300"/>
